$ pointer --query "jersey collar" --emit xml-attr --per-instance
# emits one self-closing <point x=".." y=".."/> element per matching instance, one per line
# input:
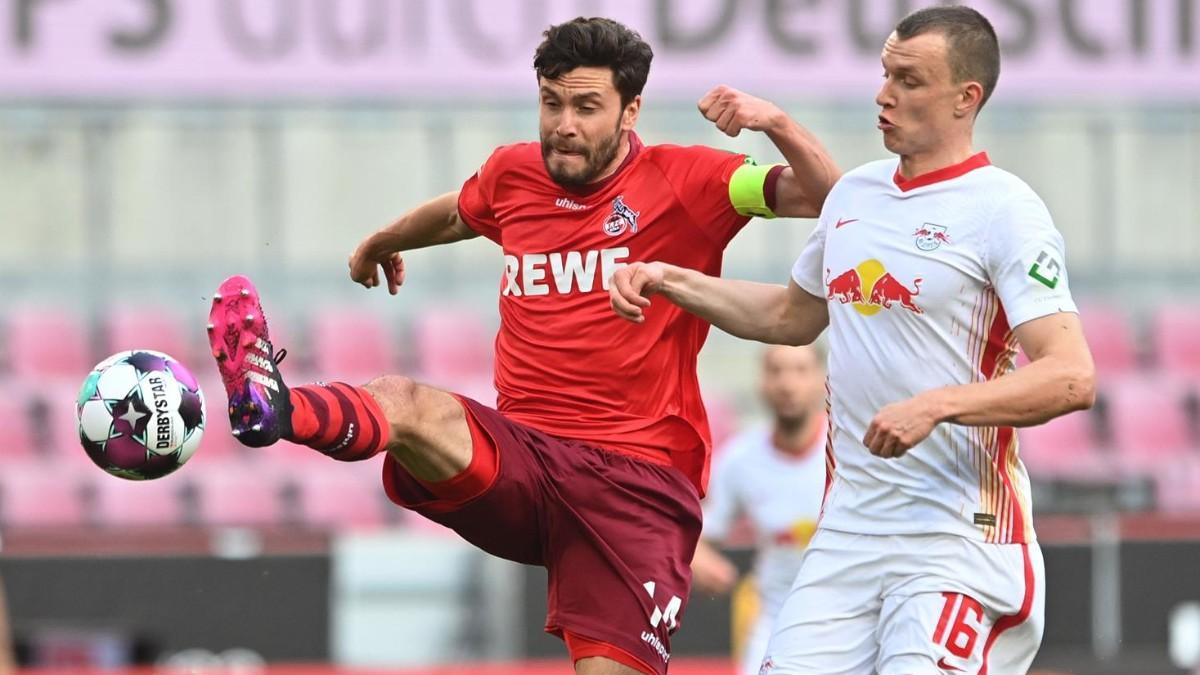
<point x="976" y="161"/>
<point x="635" y="146"/>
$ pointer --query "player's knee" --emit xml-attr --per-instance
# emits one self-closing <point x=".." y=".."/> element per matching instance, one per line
<point x="413" y="411"/>
<point x="397" y="396"/>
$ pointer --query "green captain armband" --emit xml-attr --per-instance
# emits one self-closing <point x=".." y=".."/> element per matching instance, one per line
<point x="748" y="189"/>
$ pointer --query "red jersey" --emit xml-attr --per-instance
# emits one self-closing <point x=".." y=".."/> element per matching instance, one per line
<point x="566" y="364"/>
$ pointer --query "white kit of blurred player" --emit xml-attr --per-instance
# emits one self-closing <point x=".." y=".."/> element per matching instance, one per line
<point x="773" y="475"/>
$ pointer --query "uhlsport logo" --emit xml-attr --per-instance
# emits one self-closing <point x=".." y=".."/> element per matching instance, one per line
<point x="870" y="289"/>
<point x="666" y="616"/>
<point x="620" y="219"/>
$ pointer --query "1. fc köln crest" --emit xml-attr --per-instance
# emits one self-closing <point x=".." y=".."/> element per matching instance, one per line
<point x="620" y="219"/>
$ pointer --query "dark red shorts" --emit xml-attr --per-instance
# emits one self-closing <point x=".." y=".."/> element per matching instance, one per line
<point x="615" y="533"/>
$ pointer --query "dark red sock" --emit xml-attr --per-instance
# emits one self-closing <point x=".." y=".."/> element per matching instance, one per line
<point x="338" y="419"/>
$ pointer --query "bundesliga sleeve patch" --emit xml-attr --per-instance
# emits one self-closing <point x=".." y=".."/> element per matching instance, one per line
<point x="747" y="189"/>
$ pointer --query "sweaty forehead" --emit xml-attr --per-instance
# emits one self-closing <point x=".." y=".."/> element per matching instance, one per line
<point x="926" y="52"/>
<point x="582" y="80"/>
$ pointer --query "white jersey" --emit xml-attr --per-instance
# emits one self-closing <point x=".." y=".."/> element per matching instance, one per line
<point x="925" y="280"/>
<point x="781" y="494"/>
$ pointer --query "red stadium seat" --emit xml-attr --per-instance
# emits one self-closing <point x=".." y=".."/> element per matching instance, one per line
<point x="339" y="497"/>
<point x="1177" y="338"/>
<point x="46" y="342"/>
<point x="351" y="345"/>
<point x="453" y="344"/>
<point x="1110" y="337"/>
<point x="156" y="328"/>
<point x="124" y="503"/>
<point x="42" y="494"/>
<point x="1065" y="446"/>
<point x="237" y="493"/>
<point x="1148" y="420"/>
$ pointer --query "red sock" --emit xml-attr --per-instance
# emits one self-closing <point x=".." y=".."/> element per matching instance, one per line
<point x="338" y="419"/>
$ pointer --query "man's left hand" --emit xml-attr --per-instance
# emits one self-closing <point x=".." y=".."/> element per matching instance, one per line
<point x="732" y="110"/>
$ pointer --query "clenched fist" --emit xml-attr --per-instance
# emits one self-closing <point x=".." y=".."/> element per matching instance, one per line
<point x="732" y="110"/>
<point x="631" y="287"/>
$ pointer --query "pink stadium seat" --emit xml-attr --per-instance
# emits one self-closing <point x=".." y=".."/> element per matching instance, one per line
<point x="1148" y="420"/>
<point x="57" y="428"/>
<point x="44" y="341"/>
<point x="338" y="497"/>
<point x="351" y="344"/>
<point x="1177" y="338"/>
<point x="124" y="503"/>
<point x="218" y="445"/>
<point x="1062" y="446"/>
<point x="1110" y="337"/>
<point x="16" y="421"/>
<point x="156" y="328"/>
<point x="453" y="344"/>
<point x="722" y="417"/>
<point x="235" y="493"/>
<point x="1177" y="485"/>
<point x="41" y="494"/>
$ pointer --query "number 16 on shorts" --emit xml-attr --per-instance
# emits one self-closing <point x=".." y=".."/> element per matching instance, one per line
<point x="957" y="631"/>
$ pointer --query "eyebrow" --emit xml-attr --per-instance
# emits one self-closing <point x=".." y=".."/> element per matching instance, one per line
<point x="583" y="96"/>
<point x="901" y="70"/>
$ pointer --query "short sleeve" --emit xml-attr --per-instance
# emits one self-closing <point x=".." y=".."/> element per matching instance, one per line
<point x="806" y="271"/>
<point x="700" y="177"/>
<point x="1026" y="260"/>
<point x="475" y="199"/>
<point x="720" y="504"/>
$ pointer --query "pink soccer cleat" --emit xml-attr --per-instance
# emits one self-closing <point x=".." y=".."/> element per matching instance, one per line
<point x="260" y="410"/>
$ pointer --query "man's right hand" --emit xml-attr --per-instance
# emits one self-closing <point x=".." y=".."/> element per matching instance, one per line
<point x="365" y="266"/>
<point x="631" y="287"/>
<point x="712" y="572"/>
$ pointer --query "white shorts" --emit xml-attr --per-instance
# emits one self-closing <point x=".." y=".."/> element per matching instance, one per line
<point x="755" y="646"/>
<point x="910" y="605"/>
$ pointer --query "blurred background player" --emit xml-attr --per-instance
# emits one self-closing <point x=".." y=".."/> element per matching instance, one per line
<point x="929" y="270"/>
<point x="594" y="463"/>
<point x="774" y="476"/>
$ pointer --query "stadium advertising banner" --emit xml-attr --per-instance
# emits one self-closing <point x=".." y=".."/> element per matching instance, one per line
<point x="482" y="49"/>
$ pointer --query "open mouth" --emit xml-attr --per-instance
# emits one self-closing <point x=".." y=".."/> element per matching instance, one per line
<point x="885" y="124"/>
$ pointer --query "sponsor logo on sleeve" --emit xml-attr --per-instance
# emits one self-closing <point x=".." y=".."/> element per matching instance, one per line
<point x="1046" y="270"/>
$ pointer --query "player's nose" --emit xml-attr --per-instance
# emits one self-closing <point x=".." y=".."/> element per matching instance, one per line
<point x="884" y="98"/>
<point x="567" y="126"/>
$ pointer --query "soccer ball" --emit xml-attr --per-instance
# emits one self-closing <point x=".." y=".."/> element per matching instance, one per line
<point x="141" y="414"/>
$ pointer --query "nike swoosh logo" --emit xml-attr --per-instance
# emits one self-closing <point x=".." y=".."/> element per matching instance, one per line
<point x="946" y="666"/>
<point x="844" y="221"/>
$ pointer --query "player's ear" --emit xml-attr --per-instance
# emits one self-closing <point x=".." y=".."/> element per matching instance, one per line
<point x="970" y="97"/>
<point x="629" y="115"/>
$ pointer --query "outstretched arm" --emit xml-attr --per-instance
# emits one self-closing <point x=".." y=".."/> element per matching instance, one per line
<point x="712" y="571"/>
<point x="1059" y="379"/>
<point x="430" y="224"/>
<point x="802" y="186"/>
<point x="764" y="312"/>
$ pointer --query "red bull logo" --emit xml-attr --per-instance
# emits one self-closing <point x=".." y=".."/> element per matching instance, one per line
<point x="870" y="289"/>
